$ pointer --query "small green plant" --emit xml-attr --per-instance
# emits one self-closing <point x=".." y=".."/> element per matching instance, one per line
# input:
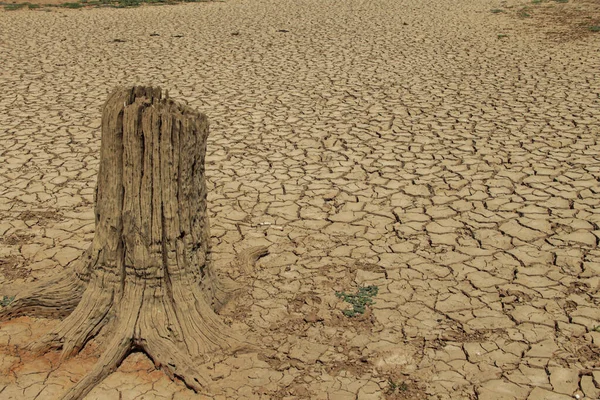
<point x="6" y="300"/>
<point x="360" y="300"/>
<point x="33" y="6"/>
<point x="523" y="13"/>
<point x="596" y="328"/>
<point x="595" y="28"/>
<point x="502" y="36"/>
<point x="128" y="3"/>
<point x="118" y="3"/>
<point x="394" y="387"/>
<point x="13" y="7"/>
<point x="561" y="1"/>
<point x="496" y="11"/>
<point x="536" y="1"/>
<point x="72" y="5"/>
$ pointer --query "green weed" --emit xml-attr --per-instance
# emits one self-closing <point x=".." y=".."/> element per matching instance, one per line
<point x="394" y="387"/>
<point x="126" y="3"/>
<point x="13" y="7"/>
<point x="359" y="301"/>
<point x="522" y="13"/>
<point x="6" y="300"/>
<point x="595" y="28"/>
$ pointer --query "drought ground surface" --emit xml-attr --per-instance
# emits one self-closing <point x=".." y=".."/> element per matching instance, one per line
<point x="396" y="144"/>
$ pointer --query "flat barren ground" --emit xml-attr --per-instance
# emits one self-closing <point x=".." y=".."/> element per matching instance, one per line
<point x="443" y="153"/>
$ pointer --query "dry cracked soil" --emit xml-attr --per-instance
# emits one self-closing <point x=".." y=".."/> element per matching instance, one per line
<point x="444" y="153"/>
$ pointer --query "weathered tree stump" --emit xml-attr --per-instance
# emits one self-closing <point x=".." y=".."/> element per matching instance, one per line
<point x="146" y="281"/>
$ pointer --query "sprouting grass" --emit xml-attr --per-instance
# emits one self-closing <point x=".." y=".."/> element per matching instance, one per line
<point x="13" y="7"/>
<point x="496" y="11"/>
<point x="595" y="28"/>
<point x="394" y="387"/>
<point x="523" y="13"/>
<point x="127" y="3"/>
<point x="135" y="3"/>
<point x="561" y="1"/>
<point x="502" y="36"/>
<point x="360" y="300"/>
<point x="536" y="1"/>
<point x="6" y="300"/>
<point x="71" y="5"/>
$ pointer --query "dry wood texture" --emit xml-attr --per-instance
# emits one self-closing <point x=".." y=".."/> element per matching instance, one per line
<point x="146" y="280"/>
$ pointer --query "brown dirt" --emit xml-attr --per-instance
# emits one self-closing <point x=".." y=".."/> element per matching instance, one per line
<point x="12" y="268"/>
<point x="41" y="218"/>
<point x="17" y="238"/>
<point x="559" y="21"/>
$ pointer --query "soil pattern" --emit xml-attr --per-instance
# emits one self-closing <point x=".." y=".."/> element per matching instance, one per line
<point x="443" y="153"/>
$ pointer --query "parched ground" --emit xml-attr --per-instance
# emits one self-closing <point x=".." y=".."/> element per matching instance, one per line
<point x="444" y="153"/>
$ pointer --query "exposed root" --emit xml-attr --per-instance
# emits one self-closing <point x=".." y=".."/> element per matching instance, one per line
<point x="179" y="338"/>
<point x="127" y="312"/>
<point x="81" y="325"/>
<point x="146" y="282"/>
<point x="174" y="362"/>
<point x="177" y="329"/>
<point x="248" y="258"/>
<point x="224" y="288"/>
<point x="56" y="297"/>
<point x="93" y="313"/>
<point x="116" y="351"/>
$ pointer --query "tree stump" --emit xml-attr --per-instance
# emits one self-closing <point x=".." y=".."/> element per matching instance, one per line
<point x="146" y="281"/>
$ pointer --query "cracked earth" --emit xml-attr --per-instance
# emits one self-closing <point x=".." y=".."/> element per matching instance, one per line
<point x="397" y="144"/>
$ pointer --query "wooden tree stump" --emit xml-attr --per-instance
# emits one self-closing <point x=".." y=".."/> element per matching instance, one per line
<point x="146" y="281"/>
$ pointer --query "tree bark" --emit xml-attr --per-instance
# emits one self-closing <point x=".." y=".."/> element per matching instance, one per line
<point x="146" y="281"/>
